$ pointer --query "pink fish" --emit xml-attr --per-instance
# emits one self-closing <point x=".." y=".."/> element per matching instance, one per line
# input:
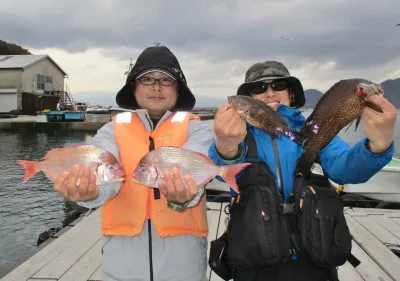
<point x="57" y="160"/>
<point x="150" y="169"/>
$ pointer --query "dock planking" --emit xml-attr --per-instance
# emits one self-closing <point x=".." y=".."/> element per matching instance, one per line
<point x="76" y="254"/>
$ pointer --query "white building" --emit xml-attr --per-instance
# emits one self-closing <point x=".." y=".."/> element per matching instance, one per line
<point x="30" y="83"/>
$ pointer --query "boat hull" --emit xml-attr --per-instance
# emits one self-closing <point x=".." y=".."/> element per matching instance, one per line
<point x="384" y="186"/>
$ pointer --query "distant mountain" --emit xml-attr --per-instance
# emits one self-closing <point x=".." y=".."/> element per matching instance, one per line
<point x="391" y="90"/>
<point x="312" y="97"/>
<point x="107" y="99"/>
<point x="12" y="49"/>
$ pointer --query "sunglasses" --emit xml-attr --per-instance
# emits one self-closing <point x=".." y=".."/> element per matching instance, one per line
<point x="261" y="87"/>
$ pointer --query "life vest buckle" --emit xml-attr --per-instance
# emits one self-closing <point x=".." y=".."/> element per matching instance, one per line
<point x="288" y="208"/>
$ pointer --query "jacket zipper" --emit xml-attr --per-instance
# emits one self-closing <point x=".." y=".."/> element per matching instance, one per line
<point x="150" y="251"/>
<point x="151" y="147"/>
<point x="278" y="168"/>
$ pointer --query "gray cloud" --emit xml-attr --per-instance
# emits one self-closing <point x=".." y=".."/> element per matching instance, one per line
<point x="356" y="35"/>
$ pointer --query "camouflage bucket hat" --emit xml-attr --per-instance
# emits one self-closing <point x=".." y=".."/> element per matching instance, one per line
<point x="271" y="70"/>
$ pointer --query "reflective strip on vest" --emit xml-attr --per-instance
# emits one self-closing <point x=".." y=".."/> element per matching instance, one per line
<point x="179" y="116"/>
<point x="125" y="117"/>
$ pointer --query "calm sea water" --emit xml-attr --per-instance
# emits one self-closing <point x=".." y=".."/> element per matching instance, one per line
<point x="28" y="209"/>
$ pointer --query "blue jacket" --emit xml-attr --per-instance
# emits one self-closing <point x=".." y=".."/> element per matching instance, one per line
<point x="341" y="163"/>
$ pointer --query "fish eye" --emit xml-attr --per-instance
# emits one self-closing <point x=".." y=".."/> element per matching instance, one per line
<point x="143" y="168"/>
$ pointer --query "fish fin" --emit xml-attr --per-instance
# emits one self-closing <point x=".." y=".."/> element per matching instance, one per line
<point x="357" y="123"/>
<point x="229" y="173"/>
<point x="348" y="126"/>
<point x="51" y="152"/>
<point x="304" y="164"/>
<point x="31" y="168"/>
<point x="373" y="106"/>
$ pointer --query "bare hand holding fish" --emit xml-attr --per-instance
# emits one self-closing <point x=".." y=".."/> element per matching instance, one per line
<point x="379" y="127"/>
<point x="77" y="170"/>
<point x="154" y="168"/>
<point x="260" y="115"/>
<point x="230" y="130"/>
<point x="177" y="188"/>
<point x="353" y="99"/>
<point x="67" y="184"/>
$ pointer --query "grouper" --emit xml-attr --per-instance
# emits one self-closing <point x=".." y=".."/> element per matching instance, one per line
<point x="342" y="104"/>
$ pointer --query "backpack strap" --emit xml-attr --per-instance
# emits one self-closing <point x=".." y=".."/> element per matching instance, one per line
<point x="259" y="172"/>
<point x="278" y="166"/>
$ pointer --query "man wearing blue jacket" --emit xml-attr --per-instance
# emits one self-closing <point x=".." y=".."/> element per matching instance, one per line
<point x="340" y="162"/>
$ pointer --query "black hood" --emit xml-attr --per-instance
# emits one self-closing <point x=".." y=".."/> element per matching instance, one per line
<point x="157" y="57"/>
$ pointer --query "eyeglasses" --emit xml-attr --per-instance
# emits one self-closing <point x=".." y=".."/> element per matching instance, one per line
<point x="148" y="81"/>
<point x="261" y="87"/>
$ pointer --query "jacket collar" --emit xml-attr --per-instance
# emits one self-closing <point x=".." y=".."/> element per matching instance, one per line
<point x="293" y="115"/>
<point x="146" y="120"/>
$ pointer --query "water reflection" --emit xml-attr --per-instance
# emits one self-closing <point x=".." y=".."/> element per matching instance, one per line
<point x="28" y="209"/>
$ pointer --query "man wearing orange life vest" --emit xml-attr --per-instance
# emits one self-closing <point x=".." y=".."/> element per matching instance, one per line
<point x="149" y="234"/>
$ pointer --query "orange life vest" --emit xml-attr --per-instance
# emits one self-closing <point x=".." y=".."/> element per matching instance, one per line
<point x="126" y="213"/>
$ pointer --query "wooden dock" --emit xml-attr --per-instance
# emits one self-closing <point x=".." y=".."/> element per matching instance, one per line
<point x="76" y="254"/>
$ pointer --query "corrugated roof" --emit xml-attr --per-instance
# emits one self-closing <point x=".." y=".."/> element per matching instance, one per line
<point x="24" y="61"/>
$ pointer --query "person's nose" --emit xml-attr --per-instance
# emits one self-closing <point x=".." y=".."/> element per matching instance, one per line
<point x="157" y="85"/>
<point x="269" y="92"/>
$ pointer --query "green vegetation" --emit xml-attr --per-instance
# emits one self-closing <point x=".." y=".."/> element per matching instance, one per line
<point x="12" y="49"/>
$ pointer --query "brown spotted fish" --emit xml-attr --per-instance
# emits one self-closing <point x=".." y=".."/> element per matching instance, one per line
<point x="338" y="107"/>
<point x="57" y="160"/>
<point x="151" y="167"/>
<point x="262" y="116"/>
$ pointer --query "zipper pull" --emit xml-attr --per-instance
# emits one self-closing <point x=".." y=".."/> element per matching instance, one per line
<point x="264" y="215"/>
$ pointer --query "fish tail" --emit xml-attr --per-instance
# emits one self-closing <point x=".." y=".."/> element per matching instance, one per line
<point x="304" y="164"/>
<point x="298" y="138"/>
<point x="31" y="168"/>
<point x="229" y="172"/>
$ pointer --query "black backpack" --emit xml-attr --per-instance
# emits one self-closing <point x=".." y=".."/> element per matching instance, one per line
<point x="264" y="229"/>
<point x="323" y="229"/>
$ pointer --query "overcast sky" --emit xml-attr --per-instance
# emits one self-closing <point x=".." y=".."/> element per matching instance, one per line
<point x="215" y="41"/>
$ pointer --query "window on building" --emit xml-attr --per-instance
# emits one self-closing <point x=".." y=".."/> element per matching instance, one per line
<point x="42" y="80"/>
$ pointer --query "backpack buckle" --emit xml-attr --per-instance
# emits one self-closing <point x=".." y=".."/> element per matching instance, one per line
<point x="288" y="208"/>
